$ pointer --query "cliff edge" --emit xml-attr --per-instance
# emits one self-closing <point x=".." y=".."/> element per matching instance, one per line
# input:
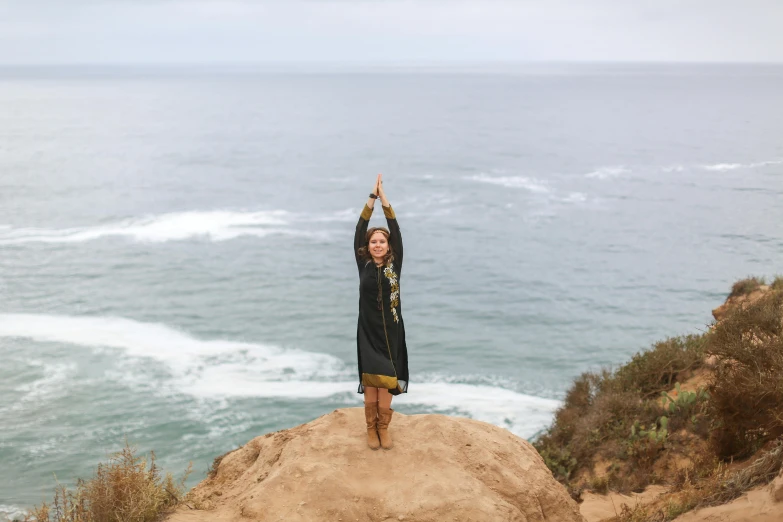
<point x="440" y="469"/>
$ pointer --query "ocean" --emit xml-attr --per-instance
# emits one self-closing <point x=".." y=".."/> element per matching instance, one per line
<point x="176" y="264"/>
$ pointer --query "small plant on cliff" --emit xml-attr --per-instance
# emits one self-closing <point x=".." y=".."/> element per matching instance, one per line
<point x="644" y="444"/>
<point x="653" y="371"/>
<point x="746" y="286"/>
<point x="560" y="462"/>
<point x="657" y="433"/>
<point x="685" y="401"/>
<point x="128" y="488"/>
<point x="687" y="410"/>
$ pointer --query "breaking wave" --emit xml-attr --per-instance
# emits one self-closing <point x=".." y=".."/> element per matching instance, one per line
<point x="608" y="172"/>
<point x="177" y="226"/>
<point x="734" y="166"/>
<point x="531" y="184"/>
<point x="221" y="368"/>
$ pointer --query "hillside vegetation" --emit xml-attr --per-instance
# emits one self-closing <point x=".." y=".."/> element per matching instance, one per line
<point x="701" y="414"/>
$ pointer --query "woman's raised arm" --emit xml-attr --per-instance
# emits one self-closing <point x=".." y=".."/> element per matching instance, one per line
<point x="364" y="219"/>
<point x="395" y="238"/>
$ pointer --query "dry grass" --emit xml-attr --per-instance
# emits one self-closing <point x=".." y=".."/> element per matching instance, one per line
<point x="746" y="402"/>
<point x="746" y="286"/>
<point x="127" y="488"/>
<point x="761" y="471"/>
<point x="213" y="468"/>
<point x="716" y="487"/>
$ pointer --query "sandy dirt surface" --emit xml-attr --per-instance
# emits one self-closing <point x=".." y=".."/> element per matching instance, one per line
<point x="441" y="469"/>
<point x="596" y="507"/>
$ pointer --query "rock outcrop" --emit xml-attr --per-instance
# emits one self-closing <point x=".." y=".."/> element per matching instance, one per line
<point x="440" y="469"/>
<point x="720" y="312"/>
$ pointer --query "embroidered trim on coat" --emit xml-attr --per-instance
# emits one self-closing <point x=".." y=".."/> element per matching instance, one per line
<point x="379" y="381"/>
<point x="394" y="287"/>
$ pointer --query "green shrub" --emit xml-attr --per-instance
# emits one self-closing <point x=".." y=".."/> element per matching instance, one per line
<point x="644" y="444"/>
<point x="653" y="371"/>
<point x="687" y="410"/>
<point x="559" y="461"/>
<point x="685" y="402"/>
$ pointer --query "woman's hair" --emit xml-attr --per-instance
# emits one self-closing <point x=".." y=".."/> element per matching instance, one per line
<point x="364" y="252"/>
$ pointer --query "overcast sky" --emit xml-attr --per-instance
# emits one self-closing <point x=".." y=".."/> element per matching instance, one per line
<point x="192" y="31"/>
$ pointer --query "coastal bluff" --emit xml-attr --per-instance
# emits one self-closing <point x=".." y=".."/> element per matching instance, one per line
<point x="441" y="469"/>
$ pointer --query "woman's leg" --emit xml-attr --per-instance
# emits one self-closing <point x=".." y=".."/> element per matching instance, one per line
<point x="384" y="417"/>
<point x="370" y="395"/>
<point x="371" y="416"/>
<point x="384" y="398"/>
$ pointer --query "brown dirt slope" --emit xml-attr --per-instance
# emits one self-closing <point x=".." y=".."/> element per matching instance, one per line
<point x="596" y="508"/>
<point x="757" y="505"/>
<point x="440" y="469"/>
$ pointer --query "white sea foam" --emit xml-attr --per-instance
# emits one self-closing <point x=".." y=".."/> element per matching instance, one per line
<point x="723" y="166"/>
<point x="674" y="168"/>
<point x="54" y="380"/>
<point x="40" y="448"/>
<point x="608" y="172"/>
<point x="347" y="215"/>
<point x="188" y="358"/>
<point x="531" y="184"/>
<point x="217" y="225"/>
<point x="11" y="512"/>
<point x="521" y="414"/>
<point x="574" y="197"/>
<point x="213" y="369"/>
<point x="734" y="166"/>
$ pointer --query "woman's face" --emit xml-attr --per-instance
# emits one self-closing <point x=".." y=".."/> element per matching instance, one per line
<point x="378" y="245"/>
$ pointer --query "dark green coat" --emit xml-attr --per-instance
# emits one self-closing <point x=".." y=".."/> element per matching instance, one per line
<point x="380" y="334"/>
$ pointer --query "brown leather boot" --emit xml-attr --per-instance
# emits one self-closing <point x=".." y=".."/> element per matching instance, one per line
<point x="371" y="416"/>
<point x="384" y="418"/>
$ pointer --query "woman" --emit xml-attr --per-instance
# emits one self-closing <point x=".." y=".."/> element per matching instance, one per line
<point x="380" y="335"/>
